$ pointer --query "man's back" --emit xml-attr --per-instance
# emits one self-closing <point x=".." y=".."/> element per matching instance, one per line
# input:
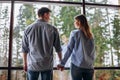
<point x="41" y="38"/>
<point x="37" y="47"/>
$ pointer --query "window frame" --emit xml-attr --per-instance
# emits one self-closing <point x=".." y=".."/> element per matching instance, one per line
<point x="12" y="2"/>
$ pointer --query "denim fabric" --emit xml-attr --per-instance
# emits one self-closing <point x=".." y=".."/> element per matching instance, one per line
<point x="45" y="75"/>
<point x="81" y="73"/>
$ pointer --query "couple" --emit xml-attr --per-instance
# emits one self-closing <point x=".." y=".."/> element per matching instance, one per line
<point x="37" y="46"/>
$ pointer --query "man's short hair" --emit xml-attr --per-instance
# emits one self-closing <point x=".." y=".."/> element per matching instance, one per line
<point x="43" y="10"/>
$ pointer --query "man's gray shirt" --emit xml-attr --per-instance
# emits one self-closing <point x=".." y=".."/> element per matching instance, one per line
<point x="38" y="42"/>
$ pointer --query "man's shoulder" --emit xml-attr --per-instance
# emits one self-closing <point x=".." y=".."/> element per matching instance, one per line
<point x="29" y="27"/>
<point x="52" y="26"/>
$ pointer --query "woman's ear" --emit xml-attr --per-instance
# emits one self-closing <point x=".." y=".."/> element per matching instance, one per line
<point x="79" y="23"/>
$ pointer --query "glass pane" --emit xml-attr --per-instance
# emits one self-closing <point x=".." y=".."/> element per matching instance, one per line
<point x="3" y="74"/>
<point x="18" y="75"/>
<point x="4" y="33"/>
<point x="25" y="14"/>
<point x="114" y="2"/>
<point x="61" y="75"/>
<point x="105" y="24"/>
<point x="107" y="75"/>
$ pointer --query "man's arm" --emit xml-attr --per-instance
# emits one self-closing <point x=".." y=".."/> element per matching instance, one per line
<point x="57" y="44"/>
<point x="25" y="50"/>
<point x="25" y="61"/>
<point x="59" y="56"/>
<point x="60" y="67"/>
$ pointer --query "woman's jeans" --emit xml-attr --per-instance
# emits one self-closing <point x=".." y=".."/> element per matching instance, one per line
<point x="81" y="73"/>
<point x="45" y="75"/>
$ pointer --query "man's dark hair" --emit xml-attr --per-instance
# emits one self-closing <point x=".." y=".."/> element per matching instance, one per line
<point x="43" y="10"/>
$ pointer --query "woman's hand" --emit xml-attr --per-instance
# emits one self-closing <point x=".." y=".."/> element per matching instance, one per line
<point x="60" y="67"/>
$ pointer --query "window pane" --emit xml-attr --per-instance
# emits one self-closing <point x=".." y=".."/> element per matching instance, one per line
<point x="105" y="24"/>
<point x="107" y="74"/>
<point x="62" y="17"/>
<point x="61" y="75"/>
<point x="114" y="2"/>
<point x="3" y="75"/>
<point x="18" y="75"/>
<point x="4" y="33"/>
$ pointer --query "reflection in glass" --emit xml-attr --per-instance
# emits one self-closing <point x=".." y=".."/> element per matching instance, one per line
<point x="105" y="26"/>
<point x="4" y="33"/>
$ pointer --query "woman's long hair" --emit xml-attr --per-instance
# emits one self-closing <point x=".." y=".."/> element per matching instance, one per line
<point x="84" y="25"/>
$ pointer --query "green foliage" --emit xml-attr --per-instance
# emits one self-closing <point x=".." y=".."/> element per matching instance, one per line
<point x="4" y="34"/>
<point x="116" y="37"/>
<point x="116" y="32"/>
<point x="97" y="1"/>
<point x="67" y="15"/>
<point x="27" y="15"/>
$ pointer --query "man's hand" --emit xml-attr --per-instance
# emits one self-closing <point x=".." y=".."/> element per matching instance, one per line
<point x="25" y="67"/>
<point x="60" y="67"/>
<point x="25" y="62"/>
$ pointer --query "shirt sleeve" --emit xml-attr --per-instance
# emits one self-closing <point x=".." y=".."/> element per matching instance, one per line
<point x="25" y="46"/>
<point x="57" y="42"/>
<point x="69" y="49"/>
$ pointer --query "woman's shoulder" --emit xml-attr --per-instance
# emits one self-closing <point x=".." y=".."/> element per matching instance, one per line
<point x="75" y="31"/>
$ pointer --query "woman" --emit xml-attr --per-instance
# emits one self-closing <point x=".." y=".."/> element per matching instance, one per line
<point x="82" y="50"/>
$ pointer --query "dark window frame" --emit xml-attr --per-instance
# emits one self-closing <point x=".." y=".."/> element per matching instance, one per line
<point x="83" y="4"/>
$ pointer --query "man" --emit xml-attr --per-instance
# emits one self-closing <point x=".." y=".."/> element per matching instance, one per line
<point x="37" y="46"/>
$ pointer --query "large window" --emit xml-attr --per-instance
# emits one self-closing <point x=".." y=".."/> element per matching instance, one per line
<point x="25" y="14"/>
<point x="104" y="22"/>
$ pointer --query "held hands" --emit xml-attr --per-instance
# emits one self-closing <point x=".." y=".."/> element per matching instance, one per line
<point x="60" y="67"/>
